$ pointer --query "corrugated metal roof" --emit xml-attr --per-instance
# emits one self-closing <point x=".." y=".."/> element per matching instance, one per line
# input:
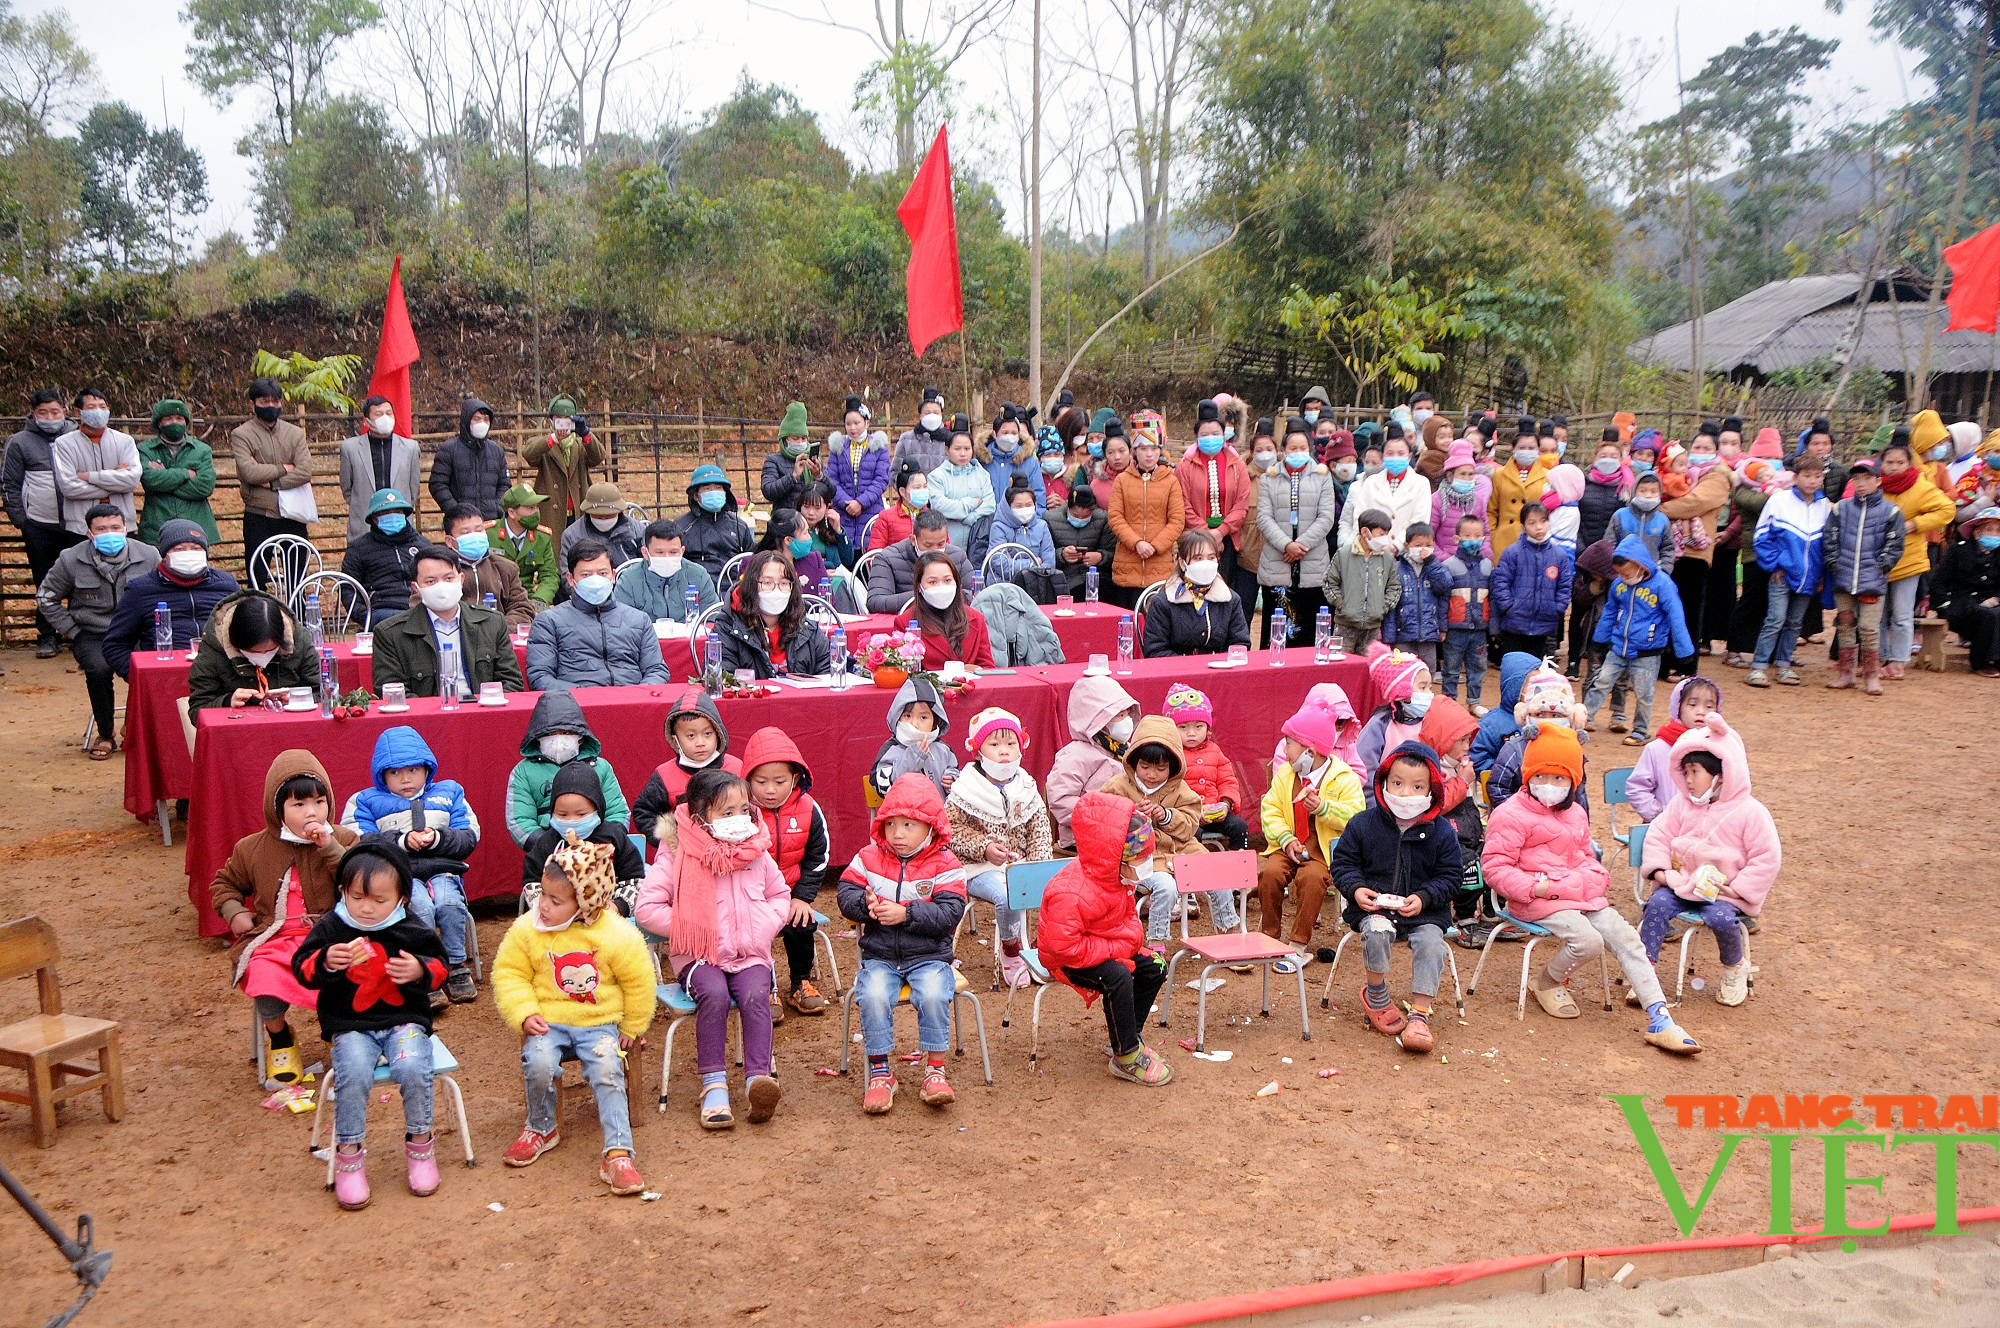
<point x="1742" y="333"/>
<point x="1882" y="346"/>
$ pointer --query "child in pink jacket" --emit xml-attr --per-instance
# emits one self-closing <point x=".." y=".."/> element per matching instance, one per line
<point x="1715" y="849"/>
<point x="1650" y="786"/>
<point x="1538" y="858"/>
<point x="719" y="901"/>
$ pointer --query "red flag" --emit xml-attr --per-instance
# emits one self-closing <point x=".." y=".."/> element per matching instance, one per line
<point x="1975" y="281"/>
<point x="394" y="355"/>
<point x="937" y="305"/>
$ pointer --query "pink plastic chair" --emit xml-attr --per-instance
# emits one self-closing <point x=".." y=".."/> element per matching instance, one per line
<point x="1237" y="873"/>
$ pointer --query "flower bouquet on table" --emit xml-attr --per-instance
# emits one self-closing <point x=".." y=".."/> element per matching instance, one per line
<point x="892" y="657"/>
<point x="720" y="683"/>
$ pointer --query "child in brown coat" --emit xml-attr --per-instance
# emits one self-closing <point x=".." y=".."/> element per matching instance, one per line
<point x="1152" y="779"/>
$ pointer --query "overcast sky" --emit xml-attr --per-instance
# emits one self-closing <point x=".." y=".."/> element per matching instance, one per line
<point x="140" y="44"/>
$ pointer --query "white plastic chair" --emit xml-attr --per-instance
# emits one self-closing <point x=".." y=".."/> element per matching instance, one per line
<point x="345" y="606"/>
<point x="637" y="513"/>
<point x="282" y="562"/>
<point x="1146" y="597"/>
<point x="730" y="571"/>
<point x="620" y="569"/>
<point x="985" y="567"/>
<point x="1687" y="919"/>
<point x="704" y="622"/>
<point x="444" y="1069"/>
<point x="1451" y="961"/>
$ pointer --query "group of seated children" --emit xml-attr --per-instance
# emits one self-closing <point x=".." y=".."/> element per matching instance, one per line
<point x="365" y="919"/>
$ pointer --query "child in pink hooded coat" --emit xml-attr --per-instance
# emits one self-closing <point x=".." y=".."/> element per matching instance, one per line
<point x="1711" y="822"/>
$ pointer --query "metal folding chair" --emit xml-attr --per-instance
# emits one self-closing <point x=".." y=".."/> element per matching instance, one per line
<point x="444" y="1069"/>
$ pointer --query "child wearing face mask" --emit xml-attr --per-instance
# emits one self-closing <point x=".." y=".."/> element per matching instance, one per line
<point x="1640" y="623"/>
<point x="1650" y="785"/>
<point x="1447" y="730"/>
<point x="1538" y="857"/>
<point x="905" y="893"/>
<point x="1152" y="780"/>
<point x="1102" y="716"/>
<point x="780" y="781"/>
<point x="1641" y="516"/>
<point x="1468" y="611"/>
<point x="1531" y="586"/>
<point x="1403" y="691"/>
<point x="699" y="741"/>
<point x="1517" y="481"/>
<point x="1313" y="795"/>
<point x="917" y="744"/>
<point x="1050" y="452"/>
<point x="576" y="815"/>
<point x="1715" y="849"/>
<point x="1020" y="521"/>
<point x="557" y="735"/>
<point x="1401" y="847"/>
<point x="375" y="966"/>
<point x="1362" y="584"/>
<point x="1462" y="491"/>
<point x="1423" y="605"/>
<point x="1209" y="771"/>
<point x="997" y="818"/>
<point x="719" y="902"/>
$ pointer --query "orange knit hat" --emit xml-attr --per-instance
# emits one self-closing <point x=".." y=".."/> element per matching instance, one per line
<point x="1554" y="750"/>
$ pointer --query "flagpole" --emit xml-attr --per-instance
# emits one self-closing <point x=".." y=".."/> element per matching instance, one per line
<point x="964" y="373"/>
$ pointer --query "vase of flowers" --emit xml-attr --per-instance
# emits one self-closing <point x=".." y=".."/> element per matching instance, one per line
<point x="891" y="657"/>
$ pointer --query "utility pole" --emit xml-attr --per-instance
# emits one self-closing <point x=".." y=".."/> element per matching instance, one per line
<point x="528" y="220"/>
<point x="1035" y="221"/>
<point x="1695" y="360"/>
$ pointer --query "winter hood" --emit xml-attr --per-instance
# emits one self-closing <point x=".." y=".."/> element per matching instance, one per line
<point x="295" y="761"/>
<point x="1632" y="549"/>
<point x="1716" y="737"/>
<point x="1595" y="560"/>
<point x="1515" y="667"/>
<point x="1421" y="753"/>
<point x="466" y="410"/>
<point x="1100" y="822"/>
<point x="225" y="613"/>
<point x="913" y="689"/>
<point x="1674" y="697"/>
<point x="697" y="702"/>
<point x="1095" y="702"/>
<point x="397" y="749"/>
<point x="558" y="712"/>
<point x="1445" y="723"/>
<point x="1160" y="729"/>
<point x="915" y="796"/>
<point x="774" y="744"/>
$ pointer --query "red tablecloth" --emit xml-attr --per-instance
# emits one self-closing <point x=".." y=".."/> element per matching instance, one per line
<point x="838" y="732"/>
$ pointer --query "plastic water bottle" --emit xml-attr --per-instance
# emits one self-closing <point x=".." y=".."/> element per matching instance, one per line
<point x="312" y="618"/>
<point x="1323" y="635"/>
<point x="1090" y="585"/>
<point x="693" y="605"/>
<point x="489" y="603"/>
<point x="712" y="655"/>
<point x="1125" y="643"/>
<point x="163" y="629"/>
<point x="978" y="582"/>
<point x="836" y="653"/>
<point x="1279" y="627"/>
<point x="448" y="668"/>
<point x="329" y="681"/>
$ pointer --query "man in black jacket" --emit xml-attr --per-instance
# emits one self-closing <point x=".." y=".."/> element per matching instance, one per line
<point x="384" y="560"/>
<point x="34" y="504"/>
<point x="471" y="468"/>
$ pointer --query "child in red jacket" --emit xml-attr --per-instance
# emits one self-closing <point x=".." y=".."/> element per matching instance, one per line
<point x="1209" y="771"/>
<point x="779" y="779"/>
<point x="1090" y="936"/>
<point x="699" y="740"/>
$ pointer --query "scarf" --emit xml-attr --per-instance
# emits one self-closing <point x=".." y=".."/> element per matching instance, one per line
<point x="1012" y="804"/>
<point x="1214" y="493"/>
<point x="702" y="858"/>
<point x="1901" y="482"/>
<point x="1670" y="731"/>
<point x="1622" y="477"/>
<point x="855" y="447"/>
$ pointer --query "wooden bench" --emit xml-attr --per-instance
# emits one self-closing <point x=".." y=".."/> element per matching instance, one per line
<point x="41" y="1046"/>
<point x="1930" y="651"/>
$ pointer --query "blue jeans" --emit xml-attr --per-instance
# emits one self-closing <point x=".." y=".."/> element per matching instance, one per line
<point x="439" y="903"/>
<point x="931" y="988"/>
<point x="991" y="886"/>
<point x="1900" y="619"/>
<point x="407" y="1048"/>
<point x="1719" y="917"/>
<point x="596" y="1050"/>
<point x="1641" y="673"/>
<point x="1782" y="619"/>
<point x="1160" y="915"/>
<point x="1465" y="651"/>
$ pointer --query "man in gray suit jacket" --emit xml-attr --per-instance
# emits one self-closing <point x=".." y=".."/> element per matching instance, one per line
<point x="378" y="459"/>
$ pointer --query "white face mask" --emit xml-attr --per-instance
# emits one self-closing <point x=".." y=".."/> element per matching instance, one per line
<point x="911" y="736"/>
<point x="604" y="522"/>
<point x="560" y="747"/>
<point x="1343" y="470"/>
<point x="666" y="568"/>
<point x="381" y="425"/>
<point x="1700" y="799"/>
<point x="1142" y="868"/>
<point x="774" y="602"/>
<point x="1148" y="789"/>
<point x="1417" y="555"/>
<point x="1406" y="808"/>
<point x="1201" y="571"/>
<point x="1381" y="543"/>
<point x="1549" y="792"/>
<point x="1120" y="728"/>
<point x="479" y="428"/>
<point x="733" y="829"/>
<point x="1023" y="515"/>
<point x="187" y="562"/>
<point x="999" y="771"/>
<point x="1264" y="460"/>
<point x="1420" y="416"/>
<point x="940" y="597"/>
<point x="1304" y="764"/>
<point x="931" y="423"/>
<point x="260" y="658"/>
<point x="440" y="595"/>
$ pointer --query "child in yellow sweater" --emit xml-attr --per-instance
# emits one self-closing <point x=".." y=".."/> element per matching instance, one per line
<point x="1313" y="793"/>
<point x="573" y="978"/>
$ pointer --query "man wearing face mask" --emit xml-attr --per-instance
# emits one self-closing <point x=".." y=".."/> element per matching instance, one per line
<point x="481" y="572"/>
<point x="409" y="647"/>
<point x="923" y="446"/>
<point x="375" y="459"/>
<point x="892" y="576"/>
<point x="95" y="463"/>
<point x="179" y="475"/>
<point x="384" y="559"/>
<point x="471" y="468"/>
<point x="660" y="589"/>
<point x="590" y="639"/>
<point x="79" y="596"/>
<point x="606" y="521"/>
<point x="713" y="531"/>
<point x="563" y="459"/>
<point x="794" y="467"/>
<point x="28" y="477"/>
<point x="518" y="537"/>
<point x="183" y="580"/>
<point x="271" y="455"/>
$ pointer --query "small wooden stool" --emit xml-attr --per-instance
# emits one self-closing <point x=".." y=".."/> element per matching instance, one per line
<point x="1930" y="653"/>
<point x="42" y="1046"/>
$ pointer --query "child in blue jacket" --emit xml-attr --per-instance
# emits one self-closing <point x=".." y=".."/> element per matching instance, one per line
<point x="1417" y="622"/>
<point x="1641" y="621"/>
<point x="1467" y="613"/>
<point x="430" y="820"/>
<point x="1531" y="585"/>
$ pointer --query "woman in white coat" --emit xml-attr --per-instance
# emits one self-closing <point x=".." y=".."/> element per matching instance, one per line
<point x="1396" y="489"/>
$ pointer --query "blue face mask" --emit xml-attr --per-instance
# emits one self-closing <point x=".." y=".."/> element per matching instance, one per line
<point x="582" y="825"/>
<point x="917" y="499"/>
<point x="1079" y="521"/>
<point x="800" y="547"/>
<point x="712" y="500"/>
<point x="1210" y="445"/>
<point x="1095" y="449"/>
<point x="1989" y="542"/>
<point x="111" y="543"/>
<point x="1642" y="467"/>
<point x="1471" y="548"/>
<point x="473" y="547"/>
<point x="1942" y="452"/>
<point x="594" y="589"/>
<point x="392" y="523"/>
<point x="1463" y="488"/>
<point x="1396" y="465"/>
<point x="396" y="915"/>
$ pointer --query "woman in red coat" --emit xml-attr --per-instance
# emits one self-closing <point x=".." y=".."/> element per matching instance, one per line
<point x="1090" y="937"/>
<point x="951" y="627"/>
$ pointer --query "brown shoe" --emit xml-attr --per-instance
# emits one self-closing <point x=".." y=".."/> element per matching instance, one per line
<point x="1416" y="1035"/>
<point x="805" y="998"/>
<point x="1871" y="672"/>
<point x="1843" y="676"/>
<point x="1387" y="1021"/>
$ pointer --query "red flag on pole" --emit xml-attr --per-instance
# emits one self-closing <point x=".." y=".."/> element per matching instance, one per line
<point x="1975" y="281"/>
<point x="394" y="355"/>
<point x="937" y="305"/>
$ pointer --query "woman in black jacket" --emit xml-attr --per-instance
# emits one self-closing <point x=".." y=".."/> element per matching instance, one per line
<point x="1083" y="539"/>
<point x="1195" y="613"/>
<point x="1966" y="589"/>
<point x="766" y="630"/>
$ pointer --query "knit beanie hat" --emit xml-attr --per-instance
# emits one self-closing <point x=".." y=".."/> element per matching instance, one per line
<point x="1460" y="454"/>
<point x="1185" y="705"/>
<point x="1566" y="482"/>
<point x="180" y="531"/>
<point x="1646" y="440"/>
<point x="1554" y="750"/>
<point x="1100" y="417"/>
<point x="993" y="719"/>
<point x="1393" y="672"/>
<point x="1138" y="837"/>
<point x="794" y="424"/>
<point x="1547" y="695"/>
<point x="1625" y="421"/>
<point x="1316" y="724"/>
<point x="1770" y="445"/>
<point x="578" y="777"/>
<point x="1339" y="447"/>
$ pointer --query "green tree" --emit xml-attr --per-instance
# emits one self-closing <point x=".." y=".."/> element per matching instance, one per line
<point x="346" y="181"/>
<point x="140" y="187"/>
<point x="279" y="47"/>
<point x="44" y="71"/>
<point x="904" y="97"/>
<point x="1380" y="333"/>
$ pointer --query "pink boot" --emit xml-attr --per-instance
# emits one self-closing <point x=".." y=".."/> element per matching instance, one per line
<point x="422" y="1161"/>
<point x="350" y="1178"/>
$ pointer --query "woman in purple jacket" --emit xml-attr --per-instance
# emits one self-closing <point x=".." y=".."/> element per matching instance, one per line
<point x="857" y="465"/>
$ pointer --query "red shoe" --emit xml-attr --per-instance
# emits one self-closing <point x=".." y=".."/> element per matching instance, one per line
<point x="935" y="1091"/>
<point x="1416" y="1035"/>
<point x="617" y="1171"/>
<point x="1388" y="1021"/>
<point x="529" y="1145"/>
<point x="881" y="1094"/>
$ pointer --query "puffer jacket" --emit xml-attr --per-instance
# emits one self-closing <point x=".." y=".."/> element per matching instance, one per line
<point x="219" y="667"/>
<point x="1926" y="507"/>
<point x="1084" y="764"/>
<point x="1004" y="469"/>
<point x="1967" y="578"/>
<point x="780" y="486"/>
<point x="892" y="576"/>
<point x="1734" y="833"/>
<point x="1512" y="492"/>
<point x="1862" y="542"/>
<point x="1035" y="535"/>
<point x="1089" y="915"/>
<point x="470" y="470"/>
<point x="1309" y="524"/>
<point x="1643" y="618"/>
<point x="1656" y="530"/>
<point x="1019" y="633"/>
<point x="1176" y="625"/>
<point x="626" y="539"/>
<point x="894" y="759"/>
<point x="81" y="592"/>
<point x="1526" y="839"/>
<point x="1602" y="497"/>
<point x="1448" y="509"/>
<point x="865" y="483"/>
<point x="580" y="645"/>
<point x="189" y="606"/>
<point x="745" y="647"/>
<point x="751" y="903"/>
<point x="652" y="809"/>
<point x="375" y="810"/>
<point x="1531" y="587"/>
<point x="1212" y="775"/>
<point x="931" y="884"/>
<point x="657" y="597"/>
<point x="1363" y="588"/>
<point x="1177" y="798"/>
<point x="1145" y="508"/>
<point x="1787" y="539"/>
<point x="528" y="796"/>
<point x="385" y="565"/>
<point x="1706" y="501"/>
<point x="1469" y="604"/>
<point x="1423" y="608"/>
<point x="1423" y="859"/>
<point x="961" y="495"/>
<point x="29" y="478"/>
<point x="713" y="538"/>
<point x="799" y="839"/>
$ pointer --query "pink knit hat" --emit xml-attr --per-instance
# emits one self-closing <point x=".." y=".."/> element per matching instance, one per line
<point x="1769" y="446"/>
<point x="1393" y="672"/>
<point x="1185" y="705"/>
<point x="1566" y="482"/>
<point x="992" y="720"/>
<point x="1460" y="454"/>
<point x="1316" y="725"/>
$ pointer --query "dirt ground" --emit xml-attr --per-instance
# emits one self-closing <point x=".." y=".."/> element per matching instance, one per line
<point x="1048" y="1195"/>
